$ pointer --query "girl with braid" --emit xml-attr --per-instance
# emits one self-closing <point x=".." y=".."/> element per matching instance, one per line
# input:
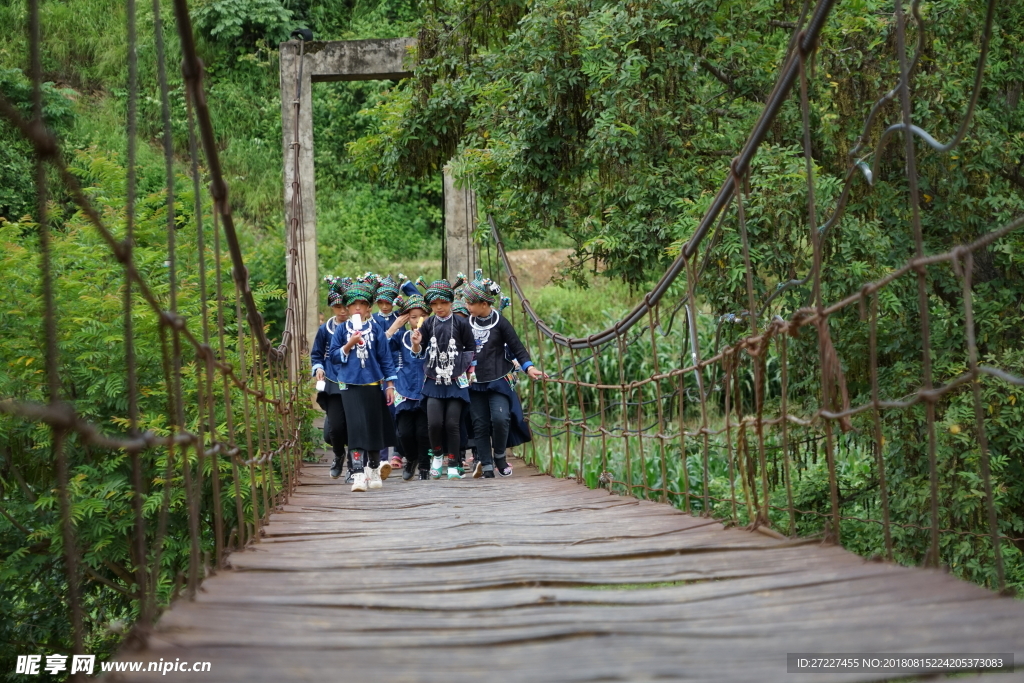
<point x="495" y="408"/>
<point x="446" y="343"/>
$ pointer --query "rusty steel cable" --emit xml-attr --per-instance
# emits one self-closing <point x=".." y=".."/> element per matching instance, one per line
<point x="53" y="381"/>
<point x="272" y="447"/>
<point x="759" y="447"/>
<point x="788" y="75"/>
<point x="635" y="419"/>
<point x="131" y="370"/>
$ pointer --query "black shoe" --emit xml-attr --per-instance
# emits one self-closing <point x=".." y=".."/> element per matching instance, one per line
<point x="425" y="475"/>
<point x="488" y="474"/>
<point x="348" y="479"/>
<point x="502" y="467"/>
<point x="337" y="467"/>
<point x="409" y="471"/>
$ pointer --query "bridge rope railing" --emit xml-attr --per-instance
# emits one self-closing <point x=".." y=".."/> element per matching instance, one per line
<point x="708" y="418"/>
<point x="229" y="444"/>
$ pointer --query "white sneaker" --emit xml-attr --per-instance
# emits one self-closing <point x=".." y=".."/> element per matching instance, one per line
<point x="435" y="467"/>
<point x="384" y="471"/>
<point x="453" y="473"/>
<point x="373" y="478"/>
<point x="359" y="481"/>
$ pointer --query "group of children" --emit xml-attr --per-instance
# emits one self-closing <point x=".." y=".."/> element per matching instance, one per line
<point x="429" y="375"/>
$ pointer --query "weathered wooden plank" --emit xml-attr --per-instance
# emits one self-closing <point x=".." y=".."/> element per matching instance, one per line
<point x="472" y="579"/>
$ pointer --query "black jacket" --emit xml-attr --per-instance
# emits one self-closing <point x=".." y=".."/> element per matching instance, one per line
<point x="492" y="360"/>
<point x="457" y="328"/>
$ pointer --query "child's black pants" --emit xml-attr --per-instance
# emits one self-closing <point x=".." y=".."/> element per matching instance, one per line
<point x="339" y="427"/>
<point x="443" y="416"/>
<point x="492" y="416"/>
<point x="415" y="437"/>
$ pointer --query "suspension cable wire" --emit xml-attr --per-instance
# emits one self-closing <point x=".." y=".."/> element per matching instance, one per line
<point x="131" y="371"/>
<point x="192" y="70"/>
<point x="723" y="198"/>
<point x="263" y="384"/>
<point x="760" y="456"/>
<point x="58" y="435"/>
<point x="732" y="382"/>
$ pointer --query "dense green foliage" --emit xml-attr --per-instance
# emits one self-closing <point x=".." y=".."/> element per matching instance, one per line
<point x="614" y="122"/>
<point x="85" y="64"/>
<point x="609" y="124"/>
<point x="89" y="293"/>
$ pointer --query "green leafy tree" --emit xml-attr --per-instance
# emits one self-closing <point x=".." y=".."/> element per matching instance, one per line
<point x="614" y="124"/>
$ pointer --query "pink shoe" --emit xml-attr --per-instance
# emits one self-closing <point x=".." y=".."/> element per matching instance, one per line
<point x="396" y="462"/>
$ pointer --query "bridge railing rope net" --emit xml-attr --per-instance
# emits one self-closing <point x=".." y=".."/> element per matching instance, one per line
<point x="213" y="437"/>
<point x="674" y="403"/>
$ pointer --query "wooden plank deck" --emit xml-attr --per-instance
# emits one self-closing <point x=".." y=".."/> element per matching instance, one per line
<point x="536" y="579"/>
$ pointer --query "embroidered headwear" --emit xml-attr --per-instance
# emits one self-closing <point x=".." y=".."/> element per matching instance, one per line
<point x="408" y="288"/>
<point x="336" y="287"/>
<point x="482" y="289"/>
<point x="362" y="289"/>
<point x="460" y="284"/>
<point x="460" y="307"/>
<point x="439" y="289"/>
<point x="404" y="304"/>
<point x="388" y="289"/>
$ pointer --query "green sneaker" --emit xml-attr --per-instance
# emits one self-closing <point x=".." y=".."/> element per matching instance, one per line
<point x="436" y="463"/>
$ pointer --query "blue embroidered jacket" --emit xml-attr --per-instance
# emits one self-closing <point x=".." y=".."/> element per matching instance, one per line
<point x="377" y="366"/>
<point x="408" y="367"/>
<point x="318" y="356"/>
<point x="385" y="320"/>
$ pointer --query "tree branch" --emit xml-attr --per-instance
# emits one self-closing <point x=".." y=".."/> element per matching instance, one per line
<point x="728" y="81"/>
<point x="15" y="522"/>
<point x="717" y="73"/>
<point x="1014" y="177"/>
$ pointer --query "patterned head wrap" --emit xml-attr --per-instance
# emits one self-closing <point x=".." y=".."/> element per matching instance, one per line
<point x="439" y="289"/>
<point x="407" y="287"/>
<point x="336" y="287"/>
<point x="404" y="304"/>
<point x="460" y="307"/>
<point x="388" y="289"/>
<point x="482" y="289"/>
<point x="460" y="284"/>
<point x="363" y="289"/>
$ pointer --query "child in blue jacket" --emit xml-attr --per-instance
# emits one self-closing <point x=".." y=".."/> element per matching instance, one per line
<point x="387" y="292"/>
<point x="409" y="404"/>
<point x="329" y="397"/>
<point x="360" y="352"/>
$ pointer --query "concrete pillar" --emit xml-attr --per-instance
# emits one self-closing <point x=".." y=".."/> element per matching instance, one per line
<point x="322" y="61"/>
<point x="305" y="245"/>
<point x="460" y="219"/>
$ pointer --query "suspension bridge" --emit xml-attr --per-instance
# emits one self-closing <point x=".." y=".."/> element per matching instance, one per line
<point x="611" y="553"/>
